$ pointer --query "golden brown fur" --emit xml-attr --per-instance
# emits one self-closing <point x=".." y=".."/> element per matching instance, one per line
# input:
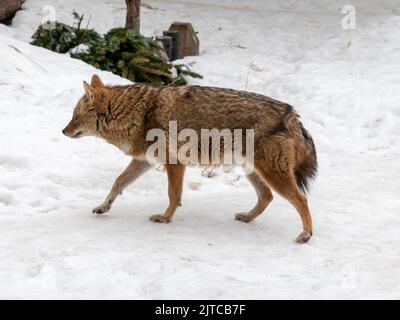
<point x="284" y="157"/>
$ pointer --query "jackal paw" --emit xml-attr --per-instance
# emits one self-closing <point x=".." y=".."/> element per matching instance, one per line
<point x="303" y="237"/>
<point x="103" y="208"/>
<point x="160" y="218"/>
<point x="244" y="217"/>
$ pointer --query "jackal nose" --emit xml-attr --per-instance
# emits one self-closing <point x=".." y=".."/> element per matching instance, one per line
<point x="63" y="132"/>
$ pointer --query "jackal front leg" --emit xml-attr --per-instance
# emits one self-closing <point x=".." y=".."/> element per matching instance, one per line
<point x="135" y="169"/>
<point x="175" y="173"/>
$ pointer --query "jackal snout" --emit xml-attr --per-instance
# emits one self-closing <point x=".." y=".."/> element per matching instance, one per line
<point x="72" y="130"/>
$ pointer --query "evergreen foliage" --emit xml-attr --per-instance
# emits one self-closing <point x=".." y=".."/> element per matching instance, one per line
<point x="120" y="51"/>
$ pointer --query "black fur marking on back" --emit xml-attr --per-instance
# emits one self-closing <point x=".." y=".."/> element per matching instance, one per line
<point x="188" y="95"/>
<point x="280" y="127"/>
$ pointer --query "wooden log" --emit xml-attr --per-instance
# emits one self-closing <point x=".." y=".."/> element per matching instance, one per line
<point x="133" y="15"/>
<point x="189" y="44"/>
<point x="167" y="44"/>
<point x="8" y="8"/>
<point x="175" y="43"/>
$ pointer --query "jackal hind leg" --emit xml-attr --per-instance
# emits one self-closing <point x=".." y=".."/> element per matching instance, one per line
<point x="175" y="173"/>
<point x="264" y="195"/>
<point x="284" y="183"/>
<point x="135" y="169"/>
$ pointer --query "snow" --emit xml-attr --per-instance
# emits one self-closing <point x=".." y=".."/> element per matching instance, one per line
<point x="344" y="83"/>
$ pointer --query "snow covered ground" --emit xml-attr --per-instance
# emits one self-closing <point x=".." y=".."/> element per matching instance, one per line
<point x="345" y="84"/>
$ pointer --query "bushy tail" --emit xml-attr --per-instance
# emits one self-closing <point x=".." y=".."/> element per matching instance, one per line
<point x="306" y="169"/>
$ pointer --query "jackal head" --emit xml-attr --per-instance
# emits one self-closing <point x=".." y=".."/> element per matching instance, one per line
<point x="85" y="117"/>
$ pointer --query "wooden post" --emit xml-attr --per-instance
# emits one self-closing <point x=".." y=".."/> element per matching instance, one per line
<point x="167" y="44"/>
<point x="133" y="15"/>
<point x="175" y="43"/>
<point x="189" y="44"/>
<point x="8" y="9"/>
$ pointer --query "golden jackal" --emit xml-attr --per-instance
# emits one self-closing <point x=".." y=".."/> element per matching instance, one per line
<point x="284" y="153"/>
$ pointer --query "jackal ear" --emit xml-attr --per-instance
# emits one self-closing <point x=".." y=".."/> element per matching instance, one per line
<point x="96" y="82"/>
<point x="89" y="91"/>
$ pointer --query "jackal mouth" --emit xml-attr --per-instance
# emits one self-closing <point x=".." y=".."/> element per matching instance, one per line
<point x="77" y="135"/>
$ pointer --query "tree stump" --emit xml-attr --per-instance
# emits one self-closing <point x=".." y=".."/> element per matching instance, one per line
<point x="189" y="44"/>
<point x="8" y="8"/>
<point x="133" y="15"/>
